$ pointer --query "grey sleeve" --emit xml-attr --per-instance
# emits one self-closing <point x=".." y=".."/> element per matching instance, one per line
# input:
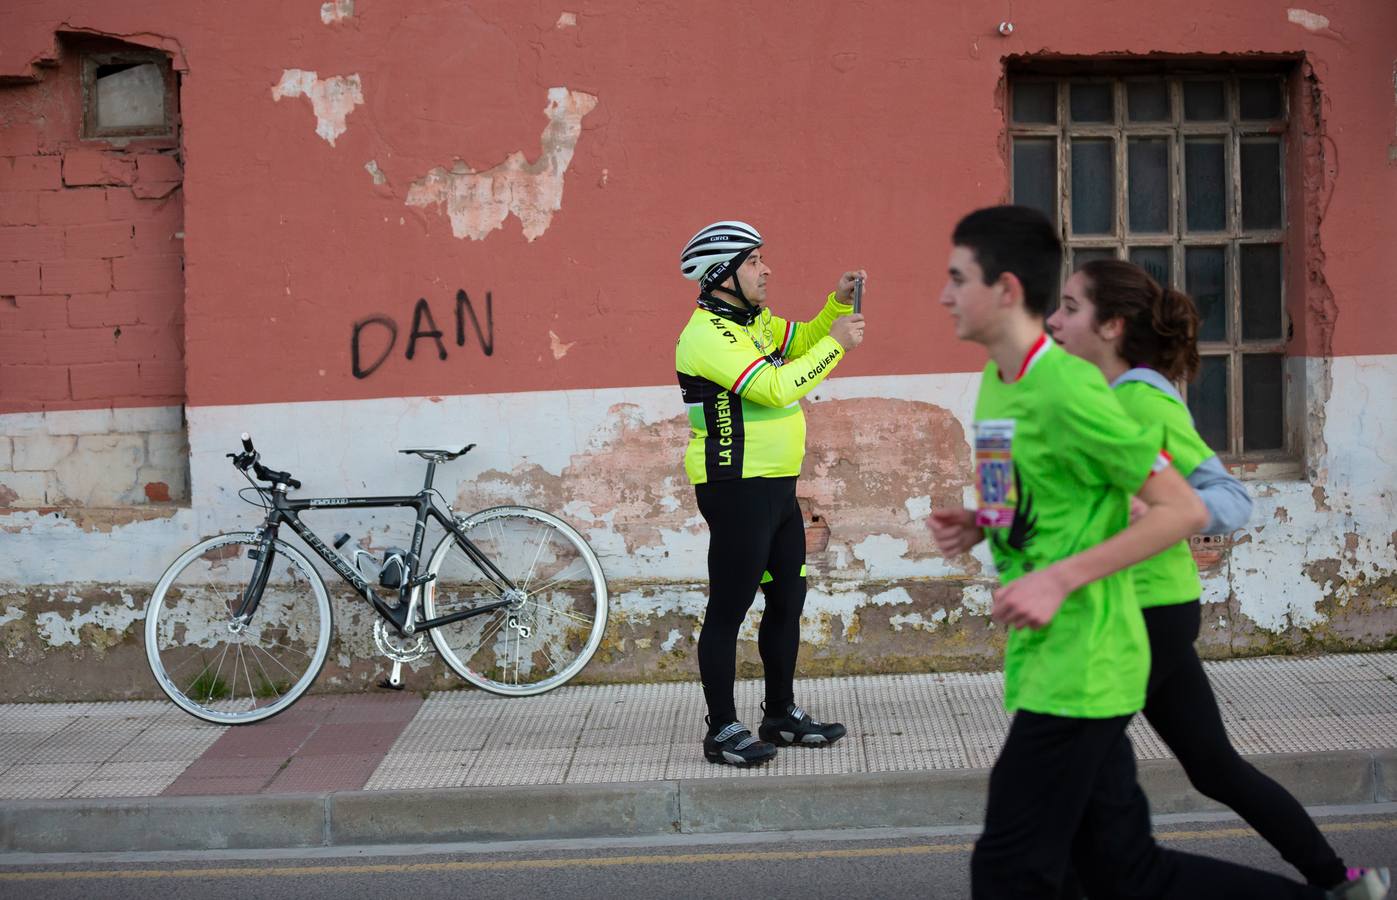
<point x="1228" y="503"/>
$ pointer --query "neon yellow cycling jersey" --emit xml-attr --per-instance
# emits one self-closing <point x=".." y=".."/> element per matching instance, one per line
<point x="742" y="386"/>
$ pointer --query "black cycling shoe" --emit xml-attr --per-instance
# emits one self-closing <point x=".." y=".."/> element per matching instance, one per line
<point x="796" y="727"/>
<point x="734" y="745"/>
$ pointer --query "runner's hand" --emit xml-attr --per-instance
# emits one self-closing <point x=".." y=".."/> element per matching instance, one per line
<point x="844" y="291"/>
<point x="954" y="530"/>
<point x="1030" y="601"/>
<point x="848" y="331"/>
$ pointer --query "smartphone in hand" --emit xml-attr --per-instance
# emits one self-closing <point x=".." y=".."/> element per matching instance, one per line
<point x="858" y="296"/>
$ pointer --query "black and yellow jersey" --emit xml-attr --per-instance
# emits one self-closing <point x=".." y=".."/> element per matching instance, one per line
<point x="742" y="386"/>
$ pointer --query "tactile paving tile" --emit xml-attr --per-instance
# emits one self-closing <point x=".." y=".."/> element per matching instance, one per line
<point x="539" y="765"/>
<point x="528" y="730"/>
<point x="129" y="779"/>
<point x="43" y="781"/>
<point x="403" y="771"/>
<point x="621" y="762"/>
<point x="1386" y="663"/>
<point x="1147" y="744"/>
<point x="88" y="739"/>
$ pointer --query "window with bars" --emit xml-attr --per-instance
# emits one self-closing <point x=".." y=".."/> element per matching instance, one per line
<point x="1183" y="174"/>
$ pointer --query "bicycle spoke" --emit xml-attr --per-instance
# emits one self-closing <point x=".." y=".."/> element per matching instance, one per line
<point x="204" y="665"/>
<point x="581" y="618"/>
<point x="563" y="614"/>
<point x="282" y="646"/>
<point x="538" y="554"/>
<point x="266" y="679"/>
<point x="213" y="682"/>
<point x="247" y="670"/>
<point x="552" y="663"/>
<point x="289" y="670"/>
<point x="558" y="577"/>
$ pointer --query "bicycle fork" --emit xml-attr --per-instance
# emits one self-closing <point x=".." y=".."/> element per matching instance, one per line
<point x="252" y="595"/>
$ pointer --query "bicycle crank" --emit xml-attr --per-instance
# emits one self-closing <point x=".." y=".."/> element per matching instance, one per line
<point x="398" y="649"/>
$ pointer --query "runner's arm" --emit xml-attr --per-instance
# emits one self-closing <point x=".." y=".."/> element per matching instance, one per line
<point x="1229" y="505"/>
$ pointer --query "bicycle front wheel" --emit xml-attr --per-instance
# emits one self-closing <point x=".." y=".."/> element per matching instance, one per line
<point x="222" y="671"/>
<point x="558" y="614"/>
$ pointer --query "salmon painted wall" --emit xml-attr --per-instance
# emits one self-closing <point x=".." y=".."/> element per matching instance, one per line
<point x="343" y="164"/>
<point x="365" y="163"/>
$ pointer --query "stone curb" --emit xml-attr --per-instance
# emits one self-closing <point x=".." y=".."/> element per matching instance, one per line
<point x="925" y="798"/>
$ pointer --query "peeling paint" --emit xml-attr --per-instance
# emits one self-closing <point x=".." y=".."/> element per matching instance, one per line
<point x="1307" y="20"/>
<point x="336" y="11"/>
<point x="566" y="20"/>
<point x="331" y="99"/>
<point x="375" y="172"/>
<point x="478" y="203"/>
<point x="58" y="630"/>
<point x="558" y="347"/>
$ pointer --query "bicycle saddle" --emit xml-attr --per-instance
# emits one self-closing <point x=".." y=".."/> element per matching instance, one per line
<point x="440" y="455"/>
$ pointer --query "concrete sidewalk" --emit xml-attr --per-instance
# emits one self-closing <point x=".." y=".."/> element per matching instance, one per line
<point x="617" y="759"/>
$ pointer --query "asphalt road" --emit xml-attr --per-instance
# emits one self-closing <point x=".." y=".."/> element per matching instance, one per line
<point x="885" y="863"/>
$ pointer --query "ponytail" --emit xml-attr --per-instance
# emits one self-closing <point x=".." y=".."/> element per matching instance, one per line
<point x="1161" y="324"/>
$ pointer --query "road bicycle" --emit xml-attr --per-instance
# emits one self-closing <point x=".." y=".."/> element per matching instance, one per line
<point x="238" y="627"/>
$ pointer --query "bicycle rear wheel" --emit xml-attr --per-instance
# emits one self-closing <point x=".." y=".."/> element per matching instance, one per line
<point x="214" y="669"/>
<point x="558" y="616"/>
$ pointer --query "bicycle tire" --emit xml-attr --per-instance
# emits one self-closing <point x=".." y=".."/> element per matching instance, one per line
<point x="567" y="621"/>
<point x="187" y="619"/>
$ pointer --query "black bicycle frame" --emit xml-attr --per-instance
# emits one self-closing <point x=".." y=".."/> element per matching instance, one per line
<point x="285" y="510"/>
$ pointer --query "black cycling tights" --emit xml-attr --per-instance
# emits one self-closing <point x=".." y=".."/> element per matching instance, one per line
<point x="1184" y="712"/>
<point x="755" y="526"/>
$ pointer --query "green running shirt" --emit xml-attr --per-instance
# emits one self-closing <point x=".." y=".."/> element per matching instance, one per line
<point x="742" y="387"/>
<point x="1171" y="577"/>
<point x="1057" y="461"/>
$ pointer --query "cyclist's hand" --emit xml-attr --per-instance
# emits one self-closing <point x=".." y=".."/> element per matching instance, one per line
<point x="844" y="291"/>
<point x="848" y="331"/>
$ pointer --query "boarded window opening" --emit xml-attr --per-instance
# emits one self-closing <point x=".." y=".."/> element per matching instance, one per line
<point x="128" y="94"/>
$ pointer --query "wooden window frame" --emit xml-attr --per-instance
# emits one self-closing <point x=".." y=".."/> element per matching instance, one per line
<point x="1234" y="130"/>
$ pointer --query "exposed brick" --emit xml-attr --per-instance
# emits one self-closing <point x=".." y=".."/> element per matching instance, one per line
<point x="76" y="276"/>
<point x="19" y="207"/>
<point x="33" y="383"/>
<point x="20" y="139"/>
<point x="154" y="190"/>
<point x="31" y="173"/>
<point x="103" y="240"/>
<point x="22" y="348"/>
<point x="106" y="380"/>
<point x="73" y="206"/>
<point x="42" y="451"/>
<point x="92" y="310"/>
<point x="86" y="167"/>
<point x="19" y="277"/>
<point x="158" y="167"/>
<point x="160" y="307"/>
<point x="159" y="236"/>
<point x="80" y="346"/>
<point x="30" y="312"/>
<point x="124" y="206"/>
<point x="32" y="242"/>
<point x="162" y="379"/>
<point x="137" y="273"/>
<point x="142" y="343"/>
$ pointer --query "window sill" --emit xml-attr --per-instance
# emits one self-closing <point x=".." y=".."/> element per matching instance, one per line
<point x="1266" y="469"/>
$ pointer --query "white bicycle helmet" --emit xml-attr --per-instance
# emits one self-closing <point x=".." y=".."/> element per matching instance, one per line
<point x="713" y="255"/>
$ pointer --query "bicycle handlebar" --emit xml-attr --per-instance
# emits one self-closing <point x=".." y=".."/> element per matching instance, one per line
<point x="248" y="459"/>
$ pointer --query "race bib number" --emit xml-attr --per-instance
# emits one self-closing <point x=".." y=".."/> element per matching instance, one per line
<point x="994" y="473"/>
